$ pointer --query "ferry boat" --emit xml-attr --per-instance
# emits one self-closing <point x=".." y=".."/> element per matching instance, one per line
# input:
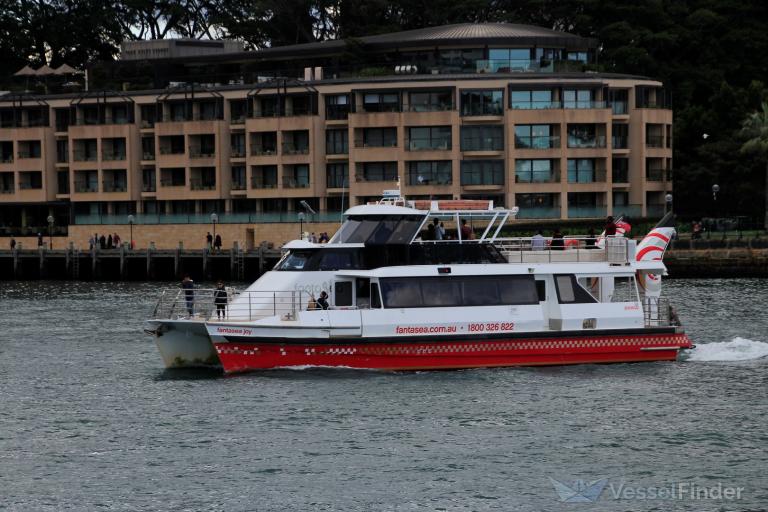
<point x="402" y="297"/>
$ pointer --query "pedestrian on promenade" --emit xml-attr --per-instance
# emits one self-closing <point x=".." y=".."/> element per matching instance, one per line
<point x="109" y="242"/>
<point x="189" y="293"/>
<point x="90" y="243"/>
<point x="220" y="300"/>
<point x="13" y="243"/>
<point x="39" y="239"/>
<point x="116" y="240"/>
<point x="103" y="242"/>
<point x="209" y="241"/>
<point x="217" y="244"/>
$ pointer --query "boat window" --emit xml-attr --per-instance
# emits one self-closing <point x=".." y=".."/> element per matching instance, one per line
<point x="480" y="292"/>
<point x="405" y="230"/>
<point x="591" y="284"/>
<point x="342" y="291"/>
<point x="541" y="288"/>
<point x="362" y="293"/>
<point x="518" y="290"/>
<point x="379" y="229"/>
<point x="363" y="231"/>
<point x="336" y="260"/>
<point x="570" y="292"/>
<point x="345" y="231"/>
<point x="401" y="293"/>
<point x="383" y="232"/>
<point x="624" y="289"/>
<point x="294" y="260"/>
<point x="441" y="292"/>
<point x="375" y="297"/>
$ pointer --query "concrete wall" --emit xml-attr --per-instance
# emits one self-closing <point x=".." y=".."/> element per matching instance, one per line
<point x="168" y="236"/>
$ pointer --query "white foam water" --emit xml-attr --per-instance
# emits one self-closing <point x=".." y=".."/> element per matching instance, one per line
<point x="738" y="349"/>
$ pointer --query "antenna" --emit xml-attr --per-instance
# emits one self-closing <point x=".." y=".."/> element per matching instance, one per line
<point x="306" y="206"/>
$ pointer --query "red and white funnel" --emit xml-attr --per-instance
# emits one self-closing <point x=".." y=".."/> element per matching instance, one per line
<point x="652" y="248"/>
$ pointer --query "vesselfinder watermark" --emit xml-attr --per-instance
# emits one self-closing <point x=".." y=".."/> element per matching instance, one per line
<point x="590" y="491"/>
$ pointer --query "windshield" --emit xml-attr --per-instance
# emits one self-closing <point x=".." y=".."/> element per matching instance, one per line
<point x="294" y="260"/>
<point x="378" y="229"/>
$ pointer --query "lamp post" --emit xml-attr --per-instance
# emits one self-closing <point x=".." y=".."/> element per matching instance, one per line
<point x="50" y="220"/>
<point x="668" y="202"/>
<point x="130" y="223"/>
<point x="301" y="225"/>
<point x="214" y="220"/>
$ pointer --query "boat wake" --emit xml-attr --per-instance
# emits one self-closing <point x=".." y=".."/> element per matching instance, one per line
<point x="738" y="349"/>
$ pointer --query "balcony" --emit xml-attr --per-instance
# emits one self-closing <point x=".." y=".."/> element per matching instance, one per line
<point x="294" y="149"/>
<point x="84" y="156"/>
<point x="240" y="119"/>
<point x="361" y="143"/>
<point x="9" y="189"/>
<point x="508" y="66"/>
<point x="620" y="175"/>
<point x="195" y="152"/>
<point x="147" y="124"/>
<point x="578" y="104"/>
<point x="658" y="175"/>
<point x="6" y="159"/>
<point x="337" y="112"/>
<point x="237" y="153"/>
<point x="586" y="143"/>
<point x="539" y="212"/>
<point x="114" y="186"/>
<point x="149" y="187"/>
<point x="164" y="150"/>
<point x="536" y="105"/>
<point x="295" y="182"/>
<point x="83" y="187"/>
<point x="434" y="144"/>
<point x="619" y="142"/>
<point x="336" y="181"/>
<point x="620" y="108"/>
<point x="171" y="182"/>
<point x="148" y="155"/>
<point x="363" y="177"/>
<point x="261" y="182"/>
<point x="537" y="142"/>
<point x="430" y="107"/>
<point x="27" y="154"/>
<point x="416" y="179"/>
<point x="201" y="184"/>
<point x="586" y="176"/>
<point x="482" y="144"/>
<point x="537" y="177"/>
<point x="262" y="151"/>
<point x="111" y="156"/>
<point x="238" y="185"/>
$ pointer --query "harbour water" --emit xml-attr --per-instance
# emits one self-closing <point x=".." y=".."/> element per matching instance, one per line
<point x="91" y="421"/>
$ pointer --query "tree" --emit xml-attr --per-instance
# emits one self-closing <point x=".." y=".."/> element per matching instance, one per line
<point x="755" y="128"/>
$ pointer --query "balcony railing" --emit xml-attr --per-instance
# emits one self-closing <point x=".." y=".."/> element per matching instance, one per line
<point x="28" y="185"/>
<point x="537" y="177"/>
<point x="536" y="105"/>
<point x="369" y="176"/>
<point x="113" y="186"/>
<point x="654" y="141"/>
<point x="488" y="110"/>
<point x="337" y="112"/>
<point x="147" y="123"/>
<point x="201" y="184"/>
<point x="148" y="155"/>
<point x="361" y="144"/>
<point x="619" y="142"/>
<point x="170" y="182"/>
<point x="619" y="107"/>
<point x="149" y="187"/>
<point x="582" y="143"/>
<point x="421" y="144"/>
<point x="482" y="178"/>
<point x="109" y="156"/>
<point x="238" y="185"/>
<point x="86" y="187"/>
<point x="237" y="153"/>
<point x="583" y="104"/>
<point x="507" y="65"/>
<point x="6" y="159"/>
<point x="28" y="154"/>
<point x="658" y="174"/>
<point x="430" y="107"/>
<point x="587" y="212"/>
<point x="10" y="189"/>
<point x="240" y="119"/>
<point x="200" y="152"/>
<point x="291" y="182"/>
<point x="259" y="182"/>
<point x="293" y="149"/>
<point x="165" y="150"/>
<point x="539" y="212"/>
<point x="261" y="151"/>
<point x="372" y="108"/>
<point x="415" y="179"/>
<point x="537" y="142"/>
<point x="482" y="144"/>
<point x="83" y="156"/>
<point x="335" y="181"/>
<point x="587" y="176"/>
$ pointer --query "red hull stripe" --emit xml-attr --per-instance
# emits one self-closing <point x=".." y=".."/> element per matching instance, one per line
<point x="418" y="355"/>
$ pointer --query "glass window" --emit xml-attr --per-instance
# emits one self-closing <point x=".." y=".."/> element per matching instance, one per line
<point x="342" y="293"/>
<point x="336" y="142"/>
<point x="565" y="288"/>
<point x="401" y="293"/>
<point x="532" y="99"/>
<point x="482" y="103"/>
<point x="581" y="170"/>
<point x="482" y="138"/>
<point x="479" y="292"/>
<point x="336" y="175"/>
<point x="375" y="296"/>
<point x="533" y="171"/>
<point x="518" y="290"/>
<point x="429" y="138"/>
<point x="578" y="98"/>
<point x="294" y="260"/>
<point x="428" y="172"/>
<point x="482" y="172"/>
<point x="441" y="293"/>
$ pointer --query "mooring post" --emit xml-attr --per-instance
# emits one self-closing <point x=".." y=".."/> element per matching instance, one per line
<point x="149" y="262"/>
<point x="41" y="252"/>
<point x="16" y="263"/>
<point x="261" y="259"/>
<point x="205" y="262"/>
<point x="94" y="252"/>
<point x="232" y="263"/>
<point x="176" y="259"/>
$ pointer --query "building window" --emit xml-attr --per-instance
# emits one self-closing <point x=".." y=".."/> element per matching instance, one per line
<point x="581" y="170"/>
<point x="296" y="142"/>
<point x="296" y="176"/>
<point x="429" y="172"/>
<point x="654" y="135"/>
<point x="430" y="101"/>
<point x="534" y="171"/>
<point x="532" y="99"/>
<point x="579" y="98"/>
<point x="619" y="136"/>
<point x="381" y="102"/>
<point x="378" y="138"/>
<point x="336" y="142"/>
<point x="337" y="175"/>
<point x="173" y="177"/>
<point x="148" y="148"/>
<point x="238" y="177"/>
<point x="263" y="176"/>
<point x="482" y="103"/>
<point x="237" y="145"/>
<point x="30" y="180"/>
<point x="238" y="109"/>
<point x="482" y="172"/>
<point x="62" y="181"/>
<point x="62" y="150"/>
<point x="263" y="143"/>
<point x="337" y="106"/>
<point x="535" y="136"/>
<point x="584" y="136"/>
<point x="533" y="201"/>
<point x="482" y="138"/>
<point x="115" y="180"/>
<point x="506" y="60"/>
<point x="377" y="171"/>
<point x="422" y="138"/>
<point x="619" y="99"/>
<point x="620" y="170"/>
<point x="148" y="182"/>
<point x="113" y="149"/>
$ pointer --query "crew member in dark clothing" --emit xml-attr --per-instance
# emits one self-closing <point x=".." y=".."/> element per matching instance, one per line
<point x="558" y="244"/>
<point x="209" y="241"/>
<point x="189" y="293"/>
<point x="591" y="240"/>
<point x="610" y="227"/>
<point x="39" y="240"/>
<point x="13" y="243"/>
<point x="322" y="302"/>
<point x="109" y="242"/>
<point x="217" y="244"/>
<point x="103" y="242"/>
<point x="220" y="300"/>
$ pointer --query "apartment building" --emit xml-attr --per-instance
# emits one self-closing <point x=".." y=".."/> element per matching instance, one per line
<point x="494" y="111"/>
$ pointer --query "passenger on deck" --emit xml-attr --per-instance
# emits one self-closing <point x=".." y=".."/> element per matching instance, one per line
<point x="438" y="230"/>
<point x="591" y="241"/>
<point x="466" y="231"/>
<point x="220" y="300"/>
<point x="537" y="241"/>
<point x="610" y="227"/>
<point x="558" y="244"/>
<point x="189" y="293"/>
<point x="322" y="302"/>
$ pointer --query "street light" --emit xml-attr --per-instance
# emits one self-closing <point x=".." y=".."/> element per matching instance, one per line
<point x="715" y="190"/>
<point x="214" y="220"/>
<point x="130" y="223"/>
<point x="301" y="225"/>
<point x="50" y="220"/>
<point x="668" y="202"/>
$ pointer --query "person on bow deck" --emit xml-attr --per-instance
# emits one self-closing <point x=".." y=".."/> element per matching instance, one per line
<point x="610" y="226"/>
<point x="189" y="293"/>
<point x="220" y="300"/>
